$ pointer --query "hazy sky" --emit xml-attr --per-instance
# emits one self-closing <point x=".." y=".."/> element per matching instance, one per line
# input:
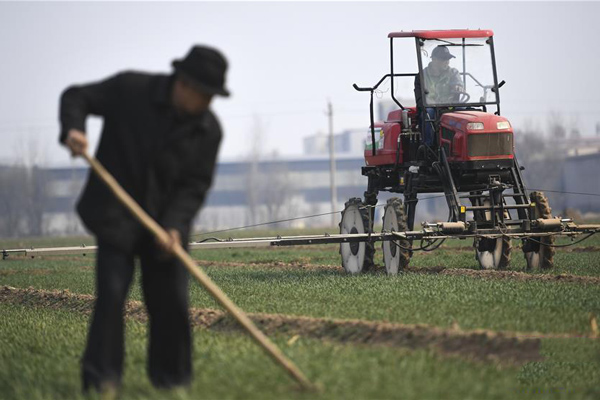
<point x="286" y="60"/>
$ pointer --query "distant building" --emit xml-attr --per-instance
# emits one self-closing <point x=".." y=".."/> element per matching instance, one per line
<point x="254" y="193"/>
<point x="243" y="194"/>
<point x="565" y="171"/>
<point x="347" y="143"/>
<point x="581" y="175"/>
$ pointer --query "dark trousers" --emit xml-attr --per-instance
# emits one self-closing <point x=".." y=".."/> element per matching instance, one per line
<point x="165" y="287"/>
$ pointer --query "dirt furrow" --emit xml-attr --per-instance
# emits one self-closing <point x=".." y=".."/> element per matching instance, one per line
<point x="276" y="264"/>
<point x="573" y="249"/>
<point x="482" y="345"/>
<point x="32" y="271"/>
<point x="439" y="270"/>
<point x="511" y="275"/>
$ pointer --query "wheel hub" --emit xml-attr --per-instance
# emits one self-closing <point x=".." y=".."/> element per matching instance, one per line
<point x="393" y="247"/>
<point x="354" y="246"/>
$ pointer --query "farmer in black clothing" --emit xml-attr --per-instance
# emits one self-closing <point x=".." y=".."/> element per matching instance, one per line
<point x="160" y="141"/>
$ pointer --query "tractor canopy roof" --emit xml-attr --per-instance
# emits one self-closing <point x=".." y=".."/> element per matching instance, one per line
<point x="446" y="34"/>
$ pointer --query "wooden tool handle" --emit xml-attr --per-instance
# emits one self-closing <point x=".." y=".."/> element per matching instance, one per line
<point x="271" y="349"/>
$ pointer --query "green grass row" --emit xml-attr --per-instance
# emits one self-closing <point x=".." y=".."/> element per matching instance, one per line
<point x="566" y="262"/>
<point x="40" y="351"/>
<point x="452" y="254"/>
<point x="440" y="300"/>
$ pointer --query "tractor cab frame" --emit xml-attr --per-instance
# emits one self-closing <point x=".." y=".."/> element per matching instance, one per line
<point x="473" y="59"/>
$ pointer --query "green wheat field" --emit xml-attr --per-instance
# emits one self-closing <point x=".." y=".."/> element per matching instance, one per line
<point x="42" y="335"/>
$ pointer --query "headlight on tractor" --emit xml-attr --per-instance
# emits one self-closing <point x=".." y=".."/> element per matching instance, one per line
<point x="503" y="125"/>
<point x="475" y="126"/>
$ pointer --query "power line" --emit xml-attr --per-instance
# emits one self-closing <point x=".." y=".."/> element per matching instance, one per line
<point x="291" y="219"/>
<point x="263" y="224"/>
<point x="336" y="212"/>
<point x="575" y="193"/>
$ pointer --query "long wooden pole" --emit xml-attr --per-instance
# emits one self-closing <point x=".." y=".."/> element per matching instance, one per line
<point x="271" y="349"/>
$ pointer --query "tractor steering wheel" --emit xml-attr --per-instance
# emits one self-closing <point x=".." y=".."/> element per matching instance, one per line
<point x="463" y="97"/>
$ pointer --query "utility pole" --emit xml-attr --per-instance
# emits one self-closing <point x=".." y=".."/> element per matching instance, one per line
<point x="332" y="165"/>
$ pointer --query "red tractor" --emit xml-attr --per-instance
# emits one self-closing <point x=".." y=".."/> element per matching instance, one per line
<point x="449" y="143"/>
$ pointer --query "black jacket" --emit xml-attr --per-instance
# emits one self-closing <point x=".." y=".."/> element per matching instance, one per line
<point x="165" y="163"/>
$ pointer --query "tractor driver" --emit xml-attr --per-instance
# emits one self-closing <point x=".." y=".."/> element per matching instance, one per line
<point x="442" y="85"/>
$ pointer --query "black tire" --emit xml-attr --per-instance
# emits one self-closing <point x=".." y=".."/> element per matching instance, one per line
<point x="491" y="253"/>
<point x="356" y="257"/>
<point x="539" y="253"/>
<point x="396" y="254"/>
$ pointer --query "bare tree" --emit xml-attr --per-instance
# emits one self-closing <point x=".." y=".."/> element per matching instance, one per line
<point x="253" y="179"/>
<point x="23" y="194"/>
<point x="543" y="156"/>
<point x="556" y="126"/>
<point x="268" y="188"/>
<point x="574" y="130"/>
<point x="12" y="199"/>
<point x="278" y="192"/>
<point x="529" y="143"/>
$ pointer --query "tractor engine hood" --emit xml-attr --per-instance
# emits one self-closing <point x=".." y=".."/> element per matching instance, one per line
<point x="475" y="122"/>
<point x="476" y="135"/>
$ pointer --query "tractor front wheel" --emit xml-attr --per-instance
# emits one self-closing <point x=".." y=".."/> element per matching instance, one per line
<point x="396" y="253"/>
<point x="357" y="257"/>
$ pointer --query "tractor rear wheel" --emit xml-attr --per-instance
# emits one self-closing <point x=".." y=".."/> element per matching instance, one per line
<point x="539" y="252"/>
<point x="356" y="257"/>
<point x="396" y="254"/>
<point x="492" y="253"/>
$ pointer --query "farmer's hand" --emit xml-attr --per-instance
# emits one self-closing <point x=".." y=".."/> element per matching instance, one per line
<point x="76" y="142"/>
<point x="173" y="238"/>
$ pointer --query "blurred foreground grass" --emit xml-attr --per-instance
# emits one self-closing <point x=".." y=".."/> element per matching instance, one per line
<point x="40" y="351"/>
<point x="473" y="303"/>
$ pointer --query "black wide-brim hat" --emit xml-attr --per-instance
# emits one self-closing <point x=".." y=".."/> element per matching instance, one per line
<point x="206" y="68"/>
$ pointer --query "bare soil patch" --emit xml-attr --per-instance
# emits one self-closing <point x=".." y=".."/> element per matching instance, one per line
<point x="40" y="271"/>
<point x="277" y="264"/>
<point x="504" y="348"/>
<point x="71" y="257"/>
<point x="586" y="249"/>
<point x="481" y="345"/>
<point x="513" y="275"/>
<point x="462" y="249"/>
